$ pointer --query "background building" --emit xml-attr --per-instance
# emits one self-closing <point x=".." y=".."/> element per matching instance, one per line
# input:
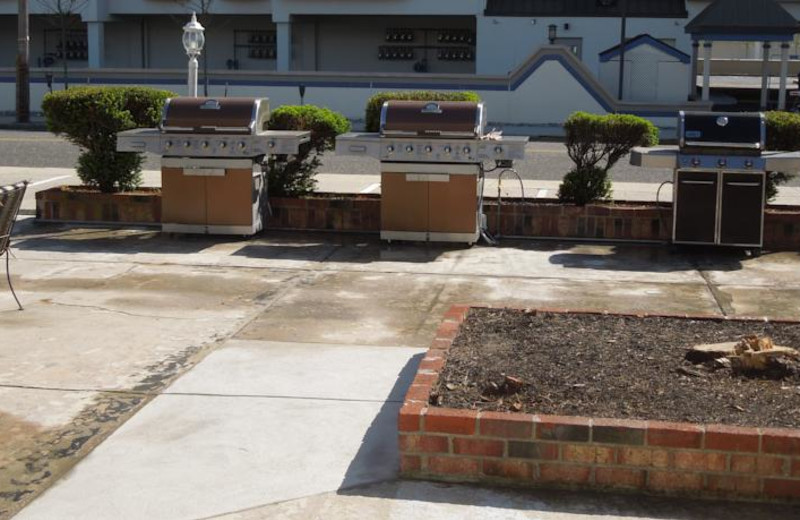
<point x="343" y="45"/>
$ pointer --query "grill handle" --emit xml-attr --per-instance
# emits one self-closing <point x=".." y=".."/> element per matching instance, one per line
<point x="705" y="183"/>
<point x="745" y="184"/>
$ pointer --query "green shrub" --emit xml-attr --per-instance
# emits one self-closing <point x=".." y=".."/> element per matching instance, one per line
<point x="293" y="175"/>
<point x="372" y="118"/>
<point x="783" y="134"/>
<point x="595" y="144"/>
<point x="90" y="117"/>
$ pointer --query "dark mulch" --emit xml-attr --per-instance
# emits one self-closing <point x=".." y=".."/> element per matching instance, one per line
<point x="611" y="366"/>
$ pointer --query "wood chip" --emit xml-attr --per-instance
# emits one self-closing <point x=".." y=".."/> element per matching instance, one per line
<point x="690" y="372"/>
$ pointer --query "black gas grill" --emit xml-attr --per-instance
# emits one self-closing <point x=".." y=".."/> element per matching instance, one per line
<point x="719" y="193"/>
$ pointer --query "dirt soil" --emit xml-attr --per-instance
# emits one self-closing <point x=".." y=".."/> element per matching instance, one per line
<point x="613" y="367"/>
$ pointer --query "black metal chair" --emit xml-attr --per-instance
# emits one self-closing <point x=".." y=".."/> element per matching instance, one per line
<point x="10" y="202"/>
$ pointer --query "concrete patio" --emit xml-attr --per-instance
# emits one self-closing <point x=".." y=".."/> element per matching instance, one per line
<point x="179" y="377"/>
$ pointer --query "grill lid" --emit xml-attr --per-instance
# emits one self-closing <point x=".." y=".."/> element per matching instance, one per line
<point x="723" y="132"/>
<point x="215" y="116"/>
<point x="433" y="119"/>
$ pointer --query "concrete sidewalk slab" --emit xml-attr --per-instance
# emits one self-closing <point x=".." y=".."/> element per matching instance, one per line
<point x="196" y="454"/>
<point x="191" y="457"/>
<point x="303" y="370"/>
<point x="355" y="308"/>
<point x="401" y="308"/>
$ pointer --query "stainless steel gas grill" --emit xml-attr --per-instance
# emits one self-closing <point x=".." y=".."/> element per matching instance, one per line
<point x="212" y="167"/>
<point x="432" y="156"/>
<point x="720" y="177"/>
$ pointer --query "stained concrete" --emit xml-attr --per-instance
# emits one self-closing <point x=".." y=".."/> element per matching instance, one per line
<point x="256" y="372"/>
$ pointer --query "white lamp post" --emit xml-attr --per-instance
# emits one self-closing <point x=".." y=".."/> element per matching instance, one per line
<point x="193" y="41"/>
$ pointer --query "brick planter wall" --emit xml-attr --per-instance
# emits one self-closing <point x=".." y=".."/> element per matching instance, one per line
<point x="610" y="221"/>
<point x="75" y="203"/>
<point x="362" y="213"/>
<point x="592" y="453"/>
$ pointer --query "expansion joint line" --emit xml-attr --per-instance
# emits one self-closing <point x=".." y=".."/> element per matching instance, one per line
<point x="722" y="301"/>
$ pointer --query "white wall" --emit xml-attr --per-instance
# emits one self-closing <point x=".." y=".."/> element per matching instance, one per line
<point x="545" y="98"/>
<point x="651" y="76"/>
<point x="350" y="43"/>
<point x="504" y="43"/>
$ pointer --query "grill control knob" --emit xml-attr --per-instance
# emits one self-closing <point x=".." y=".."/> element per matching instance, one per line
<point x="498" y="150"/>
<point x="242" y="145"/>
<point x="204" y="144"/>
<point x="722" y="163"/>
<point x="695" y="161"/>
<point x="187" y="144"/>
<point x="466" y="150"/>
<point x="390" y="149"/>
<point x="429" y="149"/>
<point x="409" y="149"/>
<point x="223" y="144"/>
<point x="168" y="144"/>
<point x="748" y="163"/>
<point x="271" y="144"/>
<point x="448" y="150"/>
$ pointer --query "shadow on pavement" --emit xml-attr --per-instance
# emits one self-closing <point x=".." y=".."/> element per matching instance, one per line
<point x="653" y="259"/>
<point x="351" y="249"/>
<point x="378" y="458"/>
<point x="123" y="241"/>
<point x="443" y="500"/>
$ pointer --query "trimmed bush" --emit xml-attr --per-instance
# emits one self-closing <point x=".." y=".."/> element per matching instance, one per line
<point x="293" y="175"/>
<point x="372" y="118"/>
<point x="90" y="117"/>
<point x="783" y="134"/>
<point x="595" y="144"/>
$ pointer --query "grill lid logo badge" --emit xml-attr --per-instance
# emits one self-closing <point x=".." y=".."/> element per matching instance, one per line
<point x="432" y="108"/>
<point x="722" y="121"/>
<point x="211" y="104"/>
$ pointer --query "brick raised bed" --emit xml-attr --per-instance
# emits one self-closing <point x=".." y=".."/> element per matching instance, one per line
<point x="362" y="213"/>
<point x="78" y="204"/>
<point x="593" y="453"/>
<point x="541" y="219"/>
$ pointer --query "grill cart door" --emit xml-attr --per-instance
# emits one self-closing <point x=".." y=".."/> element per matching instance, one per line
<point x="695" y="207"/>
<point x="404" y="205"/>
<point x="742" y="209"/>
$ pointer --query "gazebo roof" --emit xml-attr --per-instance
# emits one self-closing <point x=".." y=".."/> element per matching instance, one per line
<point x="744" y="20"/>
